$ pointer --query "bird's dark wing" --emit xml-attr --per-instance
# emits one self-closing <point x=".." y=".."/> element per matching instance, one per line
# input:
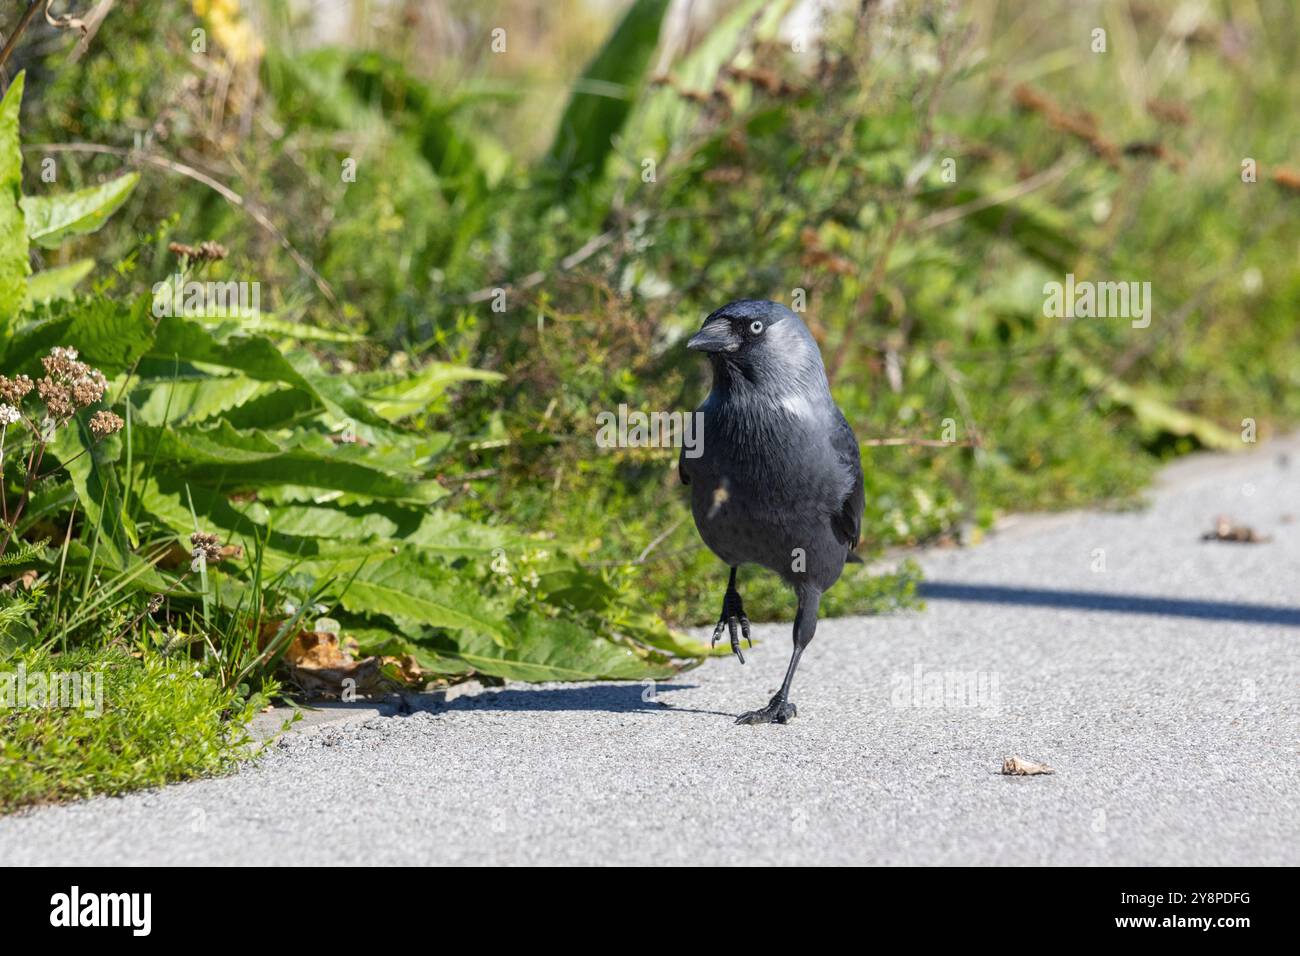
<point x="847" y="522"/>
<point x="681" y="467"/>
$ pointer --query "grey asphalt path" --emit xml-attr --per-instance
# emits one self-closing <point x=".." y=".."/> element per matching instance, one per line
<point x="1156" y="673"/>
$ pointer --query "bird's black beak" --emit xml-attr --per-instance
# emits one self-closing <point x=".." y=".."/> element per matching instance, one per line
<point x="716" y="336"/>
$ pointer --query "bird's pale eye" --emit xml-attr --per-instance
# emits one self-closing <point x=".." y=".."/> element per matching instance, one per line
<point x="756" y="327"/>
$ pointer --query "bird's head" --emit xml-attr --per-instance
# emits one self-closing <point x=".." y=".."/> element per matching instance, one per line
<point x="762" y="342"/>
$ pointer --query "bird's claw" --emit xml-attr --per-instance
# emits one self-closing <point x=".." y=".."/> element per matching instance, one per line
<point x="777" y="711"/>
<point x="733" y="617"/>
<point x="731" y="624"/>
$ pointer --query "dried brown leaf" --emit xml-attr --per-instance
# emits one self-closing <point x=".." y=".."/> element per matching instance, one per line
<point x="1015" y="767"/>
<point x="315" y="649"/>
<point x="1225" y="530"/>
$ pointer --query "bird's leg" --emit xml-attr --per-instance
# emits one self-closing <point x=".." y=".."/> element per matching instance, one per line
<point x="733" y="614"/>
<point x="779" y="709"/>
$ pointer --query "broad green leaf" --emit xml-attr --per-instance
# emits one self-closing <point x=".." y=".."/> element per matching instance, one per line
<point x="219" y="455"/>
<point x="280" y="406"/>
<point x="51" y="219"/>
<point x="345" y="405"/>
<point x="109" y="335"/>
<point x="444" y="532"/>
<point x="417" y="592"/>
<point x="585" y="591"/>
<point x="393" y="643"/>
<point x="186" y="399"/>
<point x="555" y="649"/>
<point x="432" y="531"/>
<point x="183" y="339"/>
<point x="603" y="95"/>
<point x="252" y="355"/>
<point x="267" y="324"/>
<point x="423" y="493"/>
<point x="412" y="394"/>
<point x="327" y="521"/>
<point x="1153" y="413"/>
<point x="168" y="499"/>
<point x="14" y="265"/>
<point x="190" y="399"/>
<point x="57" y="283"/>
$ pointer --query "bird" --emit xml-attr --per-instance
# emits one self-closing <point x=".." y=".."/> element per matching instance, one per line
<point x="776" y="478"/>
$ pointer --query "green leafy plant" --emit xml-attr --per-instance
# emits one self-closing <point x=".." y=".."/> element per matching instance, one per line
<point x="156" y="722"/>
<point x="234" y="443"/>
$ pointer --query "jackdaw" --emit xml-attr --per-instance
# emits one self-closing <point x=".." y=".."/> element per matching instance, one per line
<point x="778" y="480"/>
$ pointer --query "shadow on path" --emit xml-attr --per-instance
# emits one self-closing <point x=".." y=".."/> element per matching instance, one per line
<point x="610" y="698"/>
<point x="1117" y="603"/>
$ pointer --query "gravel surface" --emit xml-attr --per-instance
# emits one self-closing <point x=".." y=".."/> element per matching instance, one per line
<point x="1156" y="673"/>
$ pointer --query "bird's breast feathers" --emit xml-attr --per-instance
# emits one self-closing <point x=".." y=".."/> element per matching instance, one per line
<point x="775" y="451"/>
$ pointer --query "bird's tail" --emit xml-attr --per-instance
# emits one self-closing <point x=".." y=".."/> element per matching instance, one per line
<point x="854" y="558"/>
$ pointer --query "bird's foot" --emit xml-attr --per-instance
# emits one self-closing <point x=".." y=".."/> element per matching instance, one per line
<point x="733" y="616"/>
<point x="777" y="711"/>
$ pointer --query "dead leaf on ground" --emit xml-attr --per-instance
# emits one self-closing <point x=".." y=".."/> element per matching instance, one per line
<point x="362" y="677"/>
<point x="406" y="668"/>
<point x="315" y="649"/>
<point x="1225" y="530"/>
<point x="321" y="665"/>
<point x="1015" y="767"/>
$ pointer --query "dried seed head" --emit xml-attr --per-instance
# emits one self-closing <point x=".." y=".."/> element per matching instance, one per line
<point x="62" y="363"/>
<point x="69" y="383"/>
<point x="208" y="251"/>
<point x="104" y="423"/>
<point x="57" y="398"/>
<point x="90" y="388"/>
<point x="204" y="548"/>
<point x="14" y="390"/>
